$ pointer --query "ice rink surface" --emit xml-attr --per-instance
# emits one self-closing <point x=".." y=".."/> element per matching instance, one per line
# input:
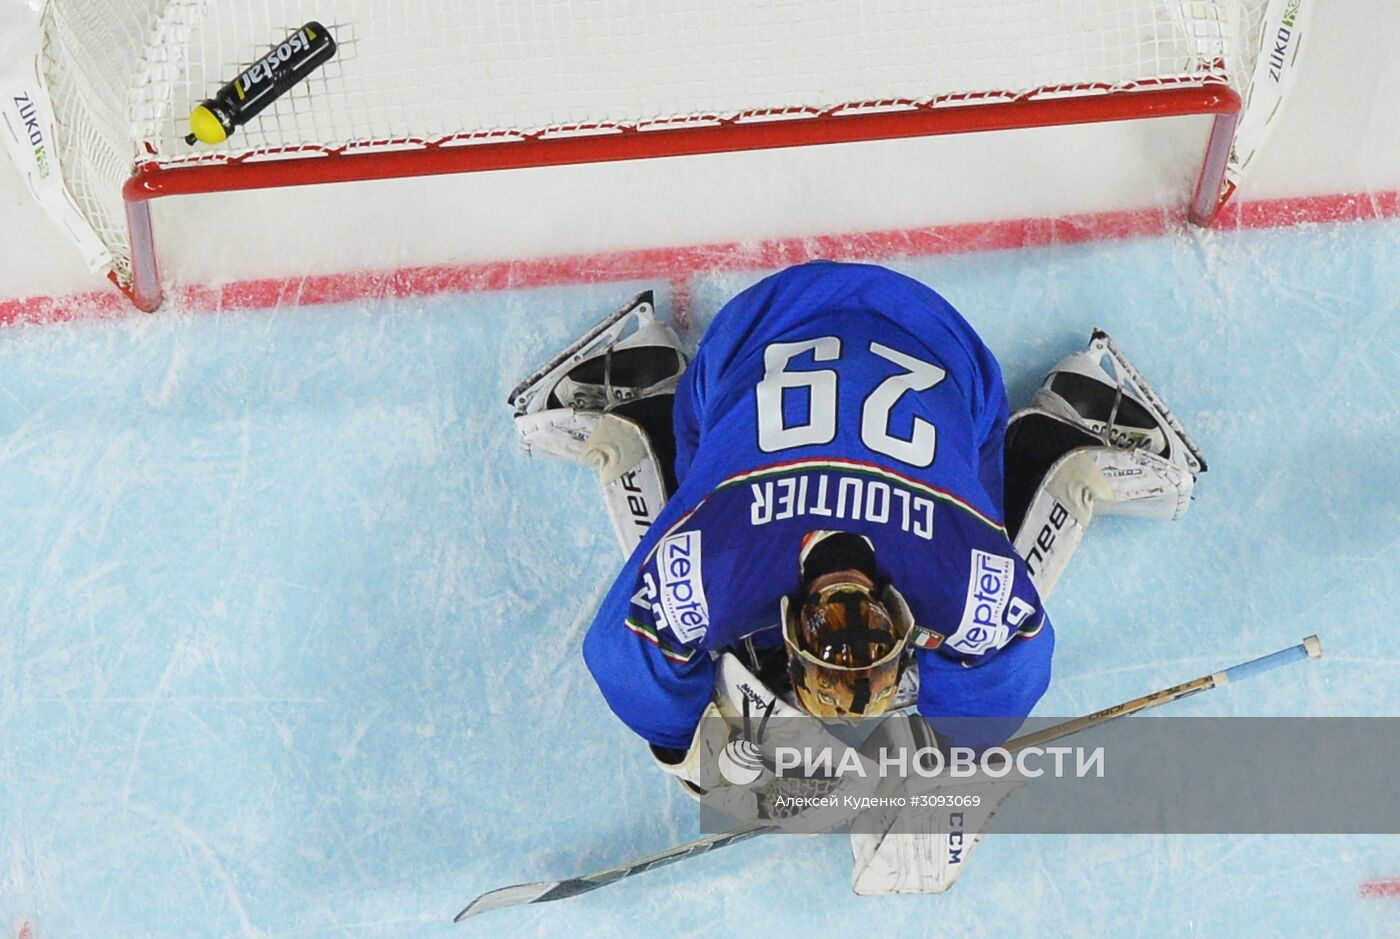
<point x="289" y="629"/>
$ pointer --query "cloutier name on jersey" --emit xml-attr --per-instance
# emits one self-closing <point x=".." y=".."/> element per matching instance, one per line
<point x="829" y="397"/>
<point x="827" y="499"/>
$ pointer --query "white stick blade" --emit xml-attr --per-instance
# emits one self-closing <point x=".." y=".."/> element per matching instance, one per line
<point x="506" y="896"/>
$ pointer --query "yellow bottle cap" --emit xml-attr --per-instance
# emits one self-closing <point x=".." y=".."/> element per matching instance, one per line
<point x="205" y="126"/>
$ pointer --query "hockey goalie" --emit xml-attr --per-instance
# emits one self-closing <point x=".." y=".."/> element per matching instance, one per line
<point x="830" y="516"/>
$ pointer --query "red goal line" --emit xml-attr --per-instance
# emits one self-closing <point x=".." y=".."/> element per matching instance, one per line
<point x="1381" y="888"/>
<point x="678" y="265"/>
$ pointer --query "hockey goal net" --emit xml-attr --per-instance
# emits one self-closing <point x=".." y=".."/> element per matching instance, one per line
<point x="438" y="86"/>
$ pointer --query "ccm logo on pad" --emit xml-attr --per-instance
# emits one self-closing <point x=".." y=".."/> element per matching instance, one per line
<point x="682" y="586"/>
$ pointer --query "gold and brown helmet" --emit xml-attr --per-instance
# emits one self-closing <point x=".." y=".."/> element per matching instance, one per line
<point x="846" y="649"/>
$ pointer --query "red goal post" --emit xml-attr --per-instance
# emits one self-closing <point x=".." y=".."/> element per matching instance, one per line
<point x="453" y="86"/>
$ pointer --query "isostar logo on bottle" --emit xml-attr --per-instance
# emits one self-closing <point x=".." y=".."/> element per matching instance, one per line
<point x="265" y="68"/>
<point x="983" y="623"/>
<point x="682" y="586"/>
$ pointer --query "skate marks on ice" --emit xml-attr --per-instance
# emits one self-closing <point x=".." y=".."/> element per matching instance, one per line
<point x="379" y="702"/>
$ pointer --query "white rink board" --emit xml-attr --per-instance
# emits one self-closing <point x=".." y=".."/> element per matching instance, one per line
<point x="1336" y="135"/>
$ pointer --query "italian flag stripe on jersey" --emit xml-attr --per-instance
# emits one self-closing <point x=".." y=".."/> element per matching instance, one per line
<point x="650" y="635"/>
<point x="853" y="467"/>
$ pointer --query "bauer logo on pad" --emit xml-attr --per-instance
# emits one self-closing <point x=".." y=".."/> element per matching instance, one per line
<point x="682" y="586"/>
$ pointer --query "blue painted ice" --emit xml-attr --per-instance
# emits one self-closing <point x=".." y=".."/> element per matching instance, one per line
<point x="289" y="630"/>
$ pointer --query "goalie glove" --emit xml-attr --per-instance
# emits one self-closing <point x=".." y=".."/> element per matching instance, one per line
<point x="740" y="761"/>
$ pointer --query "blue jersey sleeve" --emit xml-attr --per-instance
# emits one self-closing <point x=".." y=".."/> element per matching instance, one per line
<point x="990" y="456"/>
<point x="658" y="685"/>
<point x="997" y="695"/>
<point x="685" y="421"/>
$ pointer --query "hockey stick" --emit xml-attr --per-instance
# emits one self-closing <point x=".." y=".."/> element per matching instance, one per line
<point x="1309" y="648"/>
<point x="546" y="890"/>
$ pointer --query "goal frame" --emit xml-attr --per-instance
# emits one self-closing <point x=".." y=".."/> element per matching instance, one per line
<point x="957" y="114"/>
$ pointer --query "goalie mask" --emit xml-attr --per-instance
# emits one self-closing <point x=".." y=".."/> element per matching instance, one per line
<point x="846" y="649"/>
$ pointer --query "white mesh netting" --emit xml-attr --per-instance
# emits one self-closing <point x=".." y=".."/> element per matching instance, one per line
<point x="124" y="75"/>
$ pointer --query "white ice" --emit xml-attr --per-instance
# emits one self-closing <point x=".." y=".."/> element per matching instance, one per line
<point x="291" y="631"/>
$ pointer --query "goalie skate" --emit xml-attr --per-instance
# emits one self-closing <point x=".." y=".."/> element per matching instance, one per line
<point x="605" y="402"/>
<point x="582" y="377"/>
<point x="1101" y="390"/>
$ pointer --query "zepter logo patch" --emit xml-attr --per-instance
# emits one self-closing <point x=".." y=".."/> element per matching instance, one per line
<point x="682" y="586"/>
<point x="983" y="624"/>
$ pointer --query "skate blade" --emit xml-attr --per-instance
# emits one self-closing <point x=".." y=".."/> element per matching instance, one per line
<point x="643" y="304"/>
<point x="1101" y="343"/>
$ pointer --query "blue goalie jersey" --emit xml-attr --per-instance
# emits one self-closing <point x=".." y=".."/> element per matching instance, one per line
<point x="829" y="397"/>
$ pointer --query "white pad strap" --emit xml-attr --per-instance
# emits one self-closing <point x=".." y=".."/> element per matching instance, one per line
<point x="628" y="472"/>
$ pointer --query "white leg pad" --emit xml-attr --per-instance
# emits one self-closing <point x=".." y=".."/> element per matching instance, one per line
<point x="1108" y="480"/>
<point x="920" y="849"/>
<point x="1059" y="514"/>
<point x="560" y="432"/>
<point x="628" y="472"/>
<point x="633" y="488"/>
<point x="1143" y="484"/>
